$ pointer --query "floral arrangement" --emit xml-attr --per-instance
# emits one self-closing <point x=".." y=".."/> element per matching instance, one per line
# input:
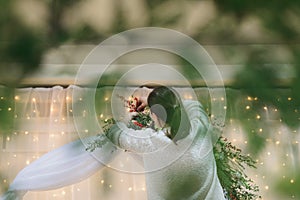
<point x="140" y="119"/>
<point x="230" y="161"/>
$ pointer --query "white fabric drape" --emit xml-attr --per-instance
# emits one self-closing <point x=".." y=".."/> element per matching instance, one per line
<point x="61" y="167"/>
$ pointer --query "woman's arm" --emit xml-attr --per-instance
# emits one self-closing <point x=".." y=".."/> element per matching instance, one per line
<point x="197" y="116"/>
<point x="147" y="140"/>
<point x="139" y="141"/>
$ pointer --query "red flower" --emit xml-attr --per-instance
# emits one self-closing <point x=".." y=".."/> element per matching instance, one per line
<point x="138" y="124"/>
<point x="132" y="103"/>
<point x="232" y="197"/>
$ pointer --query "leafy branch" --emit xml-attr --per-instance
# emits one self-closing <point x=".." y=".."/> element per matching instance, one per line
<point x="231" y="165"/>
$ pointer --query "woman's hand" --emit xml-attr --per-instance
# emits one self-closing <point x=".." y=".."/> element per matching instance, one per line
<point x="142" y="103"/>
<point x="142" y="95"/>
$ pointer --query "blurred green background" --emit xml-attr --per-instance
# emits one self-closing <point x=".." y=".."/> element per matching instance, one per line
<point x="260" y="36"/>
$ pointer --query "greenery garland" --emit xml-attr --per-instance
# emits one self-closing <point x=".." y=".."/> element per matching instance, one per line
<point x="231" y="165"/>
<point x="230" y="161"/>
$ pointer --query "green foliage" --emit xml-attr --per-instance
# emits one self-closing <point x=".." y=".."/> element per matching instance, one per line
<point x="107" y="124"/>
<point x="6" y="110"/>
<point x="101" y="138"/>
<point x="259" y="81"/>
<point x="85" y="33"/>
<point x="57" y="33"/>
<point x="21" y="48"/>
<point x="141" y="120"/>
<point x="260" y="76"/>
<point x="231" y="164"/>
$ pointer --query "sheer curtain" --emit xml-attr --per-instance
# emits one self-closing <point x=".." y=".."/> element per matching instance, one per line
<point x="43" y="122"/>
